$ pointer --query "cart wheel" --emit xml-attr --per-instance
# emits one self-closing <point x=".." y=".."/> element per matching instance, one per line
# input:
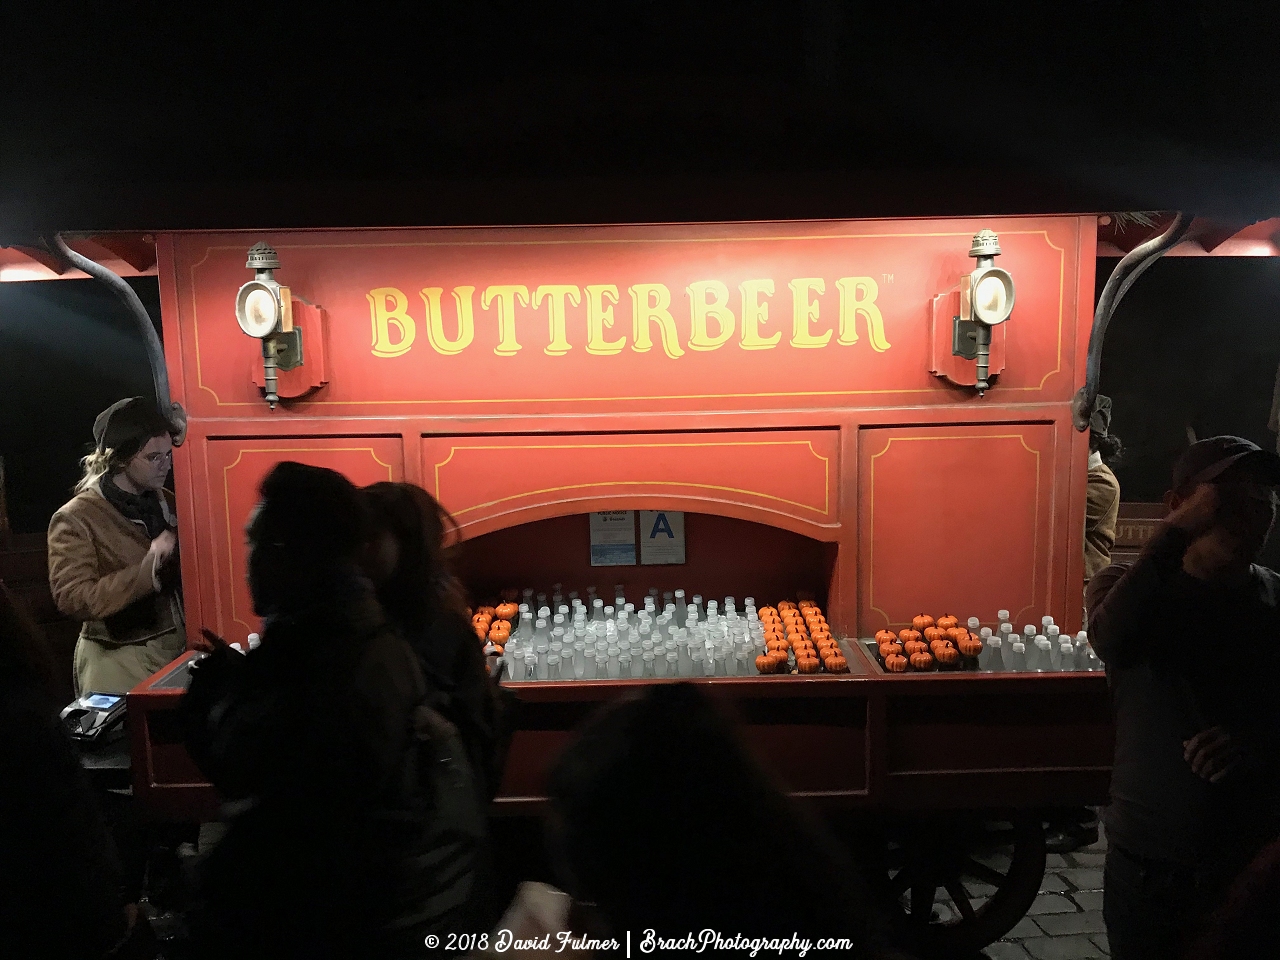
<point x="959" y="884"/>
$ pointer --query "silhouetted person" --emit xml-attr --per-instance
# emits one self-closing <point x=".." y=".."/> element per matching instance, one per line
<point x="662" y="820"/>
<point x="1190" y="634"/>
<point x="409" y="565"/>
<point x="62" y="890"/>
<point x="320" y="741"/>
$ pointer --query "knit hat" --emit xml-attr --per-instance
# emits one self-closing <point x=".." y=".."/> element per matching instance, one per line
<point x="127" y="425"/>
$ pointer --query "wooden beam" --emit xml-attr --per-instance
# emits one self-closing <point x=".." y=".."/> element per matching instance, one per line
<point x="43" y="257"/>
<point x="137" y="250"/>
<point x="1213" y="233"/>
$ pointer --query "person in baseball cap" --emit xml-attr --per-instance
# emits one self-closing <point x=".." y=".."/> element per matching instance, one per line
<point x="1190" y="635"/>
<point x="1222" y="459"/>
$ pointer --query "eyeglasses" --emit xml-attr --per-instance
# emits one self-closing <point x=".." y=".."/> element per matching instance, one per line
<point x="156" y="459"/>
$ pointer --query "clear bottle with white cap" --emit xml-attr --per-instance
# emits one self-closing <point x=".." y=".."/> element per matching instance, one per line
<point x="1044" y="654"/>
<point x="991" y="658"/>
<point x="1016" y="661"/>
<point x="1066" y="656"/>
<point x="1002" y="619"/>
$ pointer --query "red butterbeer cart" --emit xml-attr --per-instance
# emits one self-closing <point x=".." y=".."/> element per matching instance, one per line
<point x="793" y="388"/>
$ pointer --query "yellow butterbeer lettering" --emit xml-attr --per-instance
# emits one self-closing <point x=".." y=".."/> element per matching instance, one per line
<point x="858" y="296"/>
<point x="806" y="311"/>
<point x="709" y="299"/>
<point x="644" y="312"/>
<point x="505" y="296"/>
<point x="555" y="295"/>
<point x="436" y="336"/>
<point x="755" y="313"/>
<point x="600" y="316"/>
<point x="389" y="307"/>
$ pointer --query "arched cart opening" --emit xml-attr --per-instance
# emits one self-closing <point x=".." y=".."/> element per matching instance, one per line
<point x="724" y="556"/>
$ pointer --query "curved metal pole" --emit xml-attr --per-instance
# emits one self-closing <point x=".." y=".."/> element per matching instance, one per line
<point x="1122" y="278"/>
<point x="172" y="412"/>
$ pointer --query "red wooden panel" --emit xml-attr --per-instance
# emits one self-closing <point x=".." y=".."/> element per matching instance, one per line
<point x="235" y="468"/>
<point x="1002" y="730"/>
<point x="784" y="478"/>
<point x="955" y="519"/>
<point x="562" y="319"/>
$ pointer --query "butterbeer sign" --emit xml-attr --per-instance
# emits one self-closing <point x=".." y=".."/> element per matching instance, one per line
<point x="695" y="317"/>
<point x="707" y="322"/>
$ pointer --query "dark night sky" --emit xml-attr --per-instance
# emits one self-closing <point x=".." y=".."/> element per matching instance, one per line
<point x="487" y="111"/>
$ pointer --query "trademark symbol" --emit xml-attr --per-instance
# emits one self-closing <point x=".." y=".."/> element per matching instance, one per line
<point x="888" y="277"/>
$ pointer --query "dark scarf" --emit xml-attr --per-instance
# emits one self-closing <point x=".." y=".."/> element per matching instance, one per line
<point x="144" y="508"/>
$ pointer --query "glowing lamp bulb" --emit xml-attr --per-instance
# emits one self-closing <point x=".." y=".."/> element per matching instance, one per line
<point x="989" y="298"/>
<point x="260" y="309"/>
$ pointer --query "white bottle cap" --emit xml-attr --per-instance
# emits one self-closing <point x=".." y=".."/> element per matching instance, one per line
<point x="254" y="641"/>
<point x="679" y="594"/>
<point x="1046" y="620"/>
<point x="1002" y="614"/>
<point x="1083" y="635"/>
<point x="973" y="623"/>
<point x="1018" y="647"/>
<point x="985" y="633"/>
<point x="1029" y="631"/>
<point x="1052" y="630"/>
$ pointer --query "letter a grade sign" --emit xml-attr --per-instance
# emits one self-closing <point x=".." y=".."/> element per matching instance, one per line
<point x="661" y="536"/>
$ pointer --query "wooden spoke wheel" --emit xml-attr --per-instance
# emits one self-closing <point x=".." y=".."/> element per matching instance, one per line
<point x="956" y="884"/>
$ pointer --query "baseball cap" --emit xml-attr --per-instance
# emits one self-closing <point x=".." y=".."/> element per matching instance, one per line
<point x="1207" y="460"/>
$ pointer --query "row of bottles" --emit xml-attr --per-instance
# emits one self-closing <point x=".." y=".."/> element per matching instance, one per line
<point x="1037" y="649"/>
<point x="667" y="635"/>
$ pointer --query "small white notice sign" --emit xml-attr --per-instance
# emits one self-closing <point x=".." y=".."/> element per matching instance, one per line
<point x="661" y="536"/>
<point x="613" y="538"/>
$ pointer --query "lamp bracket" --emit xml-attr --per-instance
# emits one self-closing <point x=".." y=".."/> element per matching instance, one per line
<point x="964" y="339"/>
<point x="288" y="349"/>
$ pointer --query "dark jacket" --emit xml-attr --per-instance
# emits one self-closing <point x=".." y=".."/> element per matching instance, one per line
<point x="318" y="741"/>
<point x="460" y="689"/>
<point x="61" y="884"/>
<point x="1183" y="655"/>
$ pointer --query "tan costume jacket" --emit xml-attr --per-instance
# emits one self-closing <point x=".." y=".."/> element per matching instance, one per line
<point x="1102" y="509"/>
<point x="101" y="571"/>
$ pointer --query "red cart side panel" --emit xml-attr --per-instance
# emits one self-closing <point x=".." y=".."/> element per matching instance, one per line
<point x="954" y="513"/>
<point x="235" y="468"/>
<point x="783" y="478"/>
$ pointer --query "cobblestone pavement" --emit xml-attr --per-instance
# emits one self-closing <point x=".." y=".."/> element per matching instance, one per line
<point x="1065" y="922"/>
